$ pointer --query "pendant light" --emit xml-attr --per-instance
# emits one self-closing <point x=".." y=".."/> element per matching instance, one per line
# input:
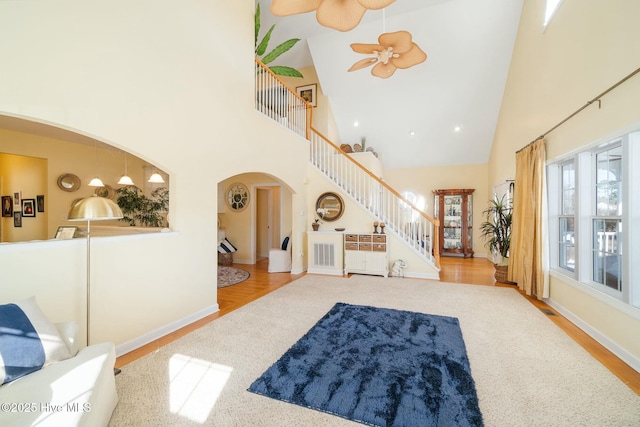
<point x="125" y="179"/>
<point x="156" y="178"/>
<point x="96" y="181"/>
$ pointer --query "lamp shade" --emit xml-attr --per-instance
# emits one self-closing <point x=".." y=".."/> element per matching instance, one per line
<point x="96" y="182"/>
<point x="125" y="180"/>
<point x="95" y="208"/>
<point x="156" y="178"/>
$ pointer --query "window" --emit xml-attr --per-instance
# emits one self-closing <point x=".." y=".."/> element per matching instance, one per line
<point x="594" y="205"/>
<point x="550" y="10"/>
<point x="566" y="219"/>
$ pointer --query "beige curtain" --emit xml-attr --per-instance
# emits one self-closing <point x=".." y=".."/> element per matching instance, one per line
<point x="529" y="253"/>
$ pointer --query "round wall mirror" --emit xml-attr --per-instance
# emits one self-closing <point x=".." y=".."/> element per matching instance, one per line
<point x="68" y="182"/>
<point x="329" y="206"/>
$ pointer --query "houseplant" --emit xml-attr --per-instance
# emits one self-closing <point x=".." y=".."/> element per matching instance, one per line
<point x="139" y="209"/>
<point x="496" y="233"/>
<point x="266" y="58"/>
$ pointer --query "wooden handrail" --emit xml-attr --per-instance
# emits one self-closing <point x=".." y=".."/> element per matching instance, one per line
<point x="433" y="221"/>
<point x="308" y="106"/>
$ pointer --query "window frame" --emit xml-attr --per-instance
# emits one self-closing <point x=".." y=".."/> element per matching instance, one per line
<point x="586" y="213"/>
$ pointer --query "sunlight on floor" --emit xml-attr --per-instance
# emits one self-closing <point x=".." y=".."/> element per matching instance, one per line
<point x="196" y="385"/>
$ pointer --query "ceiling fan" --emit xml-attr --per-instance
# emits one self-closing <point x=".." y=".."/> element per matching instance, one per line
<point x="394" y="50"/>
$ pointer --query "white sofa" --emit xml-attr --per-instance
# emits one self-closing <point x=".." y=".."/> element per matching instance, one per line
<point x="79" y="391"/>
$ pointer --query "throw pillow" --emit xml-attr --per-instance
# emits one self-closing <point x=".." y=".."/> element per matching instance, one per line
<point x="28" y="341"/>
<point x="285" y="243"/>
<point x="226" y="247"/>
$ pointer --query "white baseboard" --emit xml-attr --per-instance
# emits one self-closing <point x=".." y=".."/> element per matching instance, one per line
<point x="331" y="272"/>
<point x="623" y="354"/>
<point x="136" y="343"/>
<point x="430" y="276"/>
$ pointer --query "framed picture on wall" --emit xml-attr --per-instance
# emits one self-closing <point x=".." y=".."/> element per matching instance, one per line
<point x="7" y="206"/>
<point x="40" y="202"/>
<point x="17" y="197"/>
<point x="28" y="207"/>
<point x="17" y="219"/>
<point x="308" y="93"/>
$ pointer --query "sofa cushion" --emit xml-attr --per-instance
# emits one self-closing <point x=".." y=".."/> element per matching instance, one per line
<point x="28" y="341"/>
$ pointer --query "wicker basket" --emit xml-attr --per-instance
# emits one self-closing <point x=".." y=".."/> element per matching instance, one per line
<point x="225" y="259"/>
<point x="501" y="273"/>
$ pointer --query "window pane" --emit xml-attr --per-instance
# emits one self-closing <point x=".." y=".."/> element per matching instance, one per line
<point x="568" y="186"/>
<point x="607" y="259"/>
<point x="567" y="251"/>
<point x="609" y="182"/>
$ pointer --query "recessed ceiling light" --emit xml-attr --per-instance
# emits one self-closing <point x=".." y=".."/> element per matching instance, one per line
<point x="457" y="129"/>
<point x="412" y="132"/>
<point x="356" y="124"/>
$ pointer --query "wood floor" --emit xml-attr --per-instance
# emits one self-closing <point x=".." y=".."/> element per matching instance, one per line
<point x="477" y="271"/>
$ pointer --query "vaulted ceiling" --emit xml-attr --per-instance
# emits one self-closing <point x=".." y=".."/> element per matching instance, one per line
<point x="440" y="112"/>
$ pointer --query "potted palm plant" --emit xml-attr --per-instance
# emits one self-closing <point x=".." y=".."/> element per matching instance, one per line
<point x="496" y="233"/>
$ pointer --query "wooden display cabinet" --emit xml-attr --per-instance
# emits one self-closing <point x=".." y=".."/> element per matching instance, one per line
<point x="454" y="209"/>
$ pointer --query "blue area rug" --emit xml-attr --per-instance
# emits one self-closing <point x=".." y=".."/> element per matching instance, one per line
<point x="379" y="367"/>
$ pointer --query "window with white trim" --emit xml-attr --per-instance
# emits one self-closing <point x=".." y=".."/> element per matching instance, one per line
<point x="594" y="205"/>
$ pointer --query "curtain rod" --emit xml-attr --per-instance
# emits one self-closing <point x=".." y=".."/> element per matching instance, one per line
<point x="597" y="98"/>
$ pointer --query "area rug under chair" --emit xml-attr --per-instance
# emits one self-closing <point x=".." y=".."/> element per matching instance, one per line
<point x="380" y="367"/>
<point x="228" y="276"/>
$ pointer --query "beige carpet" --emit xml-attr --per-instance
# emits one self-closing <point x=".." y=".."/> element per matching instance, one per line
<point x="535" y="378"/>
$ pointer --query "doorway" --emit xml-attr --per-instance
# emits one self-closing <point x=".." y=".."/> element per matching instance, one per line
<point x="268" y="219"/>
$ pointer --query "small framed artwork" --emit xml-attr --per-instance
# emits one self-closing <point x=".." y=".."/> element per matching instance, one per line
<point x="65" y="233"/>
<point x="17" y="198"/>
<point x="17" y="219"/>
<point x="28" y="207"/>
<point x="308" y="93"/>
<point x="40" y="202"/>
<point x="7" y="206"/>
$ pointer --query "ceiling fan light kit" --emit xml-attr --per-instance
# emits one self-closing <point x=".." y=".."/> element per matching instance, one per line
<point x="395" y="50"/>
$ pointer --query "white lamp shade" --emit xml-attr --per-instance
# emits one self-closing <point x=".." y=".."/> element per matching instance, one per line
<point x="125" y="180"/>
<point x="96" y="182"/>
<point x="156" y="178"/>
<point x="95" y="208"/>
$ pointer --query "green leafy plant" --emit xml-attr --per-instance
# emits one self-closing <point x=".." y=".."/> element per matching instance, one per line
<point x="496" y="229"/>
<point x="261" y="48"/>
<point x="139" y="209"/>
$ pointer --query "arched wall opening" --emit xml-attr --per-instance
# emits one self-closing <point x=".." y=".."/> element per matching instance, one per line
<point x="52" y="167"/>
<point x="261" y="223"/>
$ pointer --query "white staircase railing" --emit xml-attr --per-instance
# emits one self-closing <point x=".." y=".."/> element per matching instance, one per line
<point x="419" y="231"/>
<point x="276" y="100"/>
<point x="399" y="215"/>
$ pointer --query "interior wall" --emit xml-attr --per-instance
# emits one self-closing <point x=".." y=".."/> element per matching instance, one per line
<point x="185" y="102"/>
<point x="28" y="176"/>
<point x="423" y="181"/>
<point x="589" y="46"/>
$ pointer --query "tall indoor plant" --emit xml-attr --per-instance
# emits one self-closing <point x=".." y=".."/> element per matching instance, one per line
<point x="496" y="233"/>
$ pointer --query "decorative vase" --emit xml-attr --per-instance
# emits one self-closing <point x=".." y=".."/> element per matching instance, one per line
<point x="315" y="226"/>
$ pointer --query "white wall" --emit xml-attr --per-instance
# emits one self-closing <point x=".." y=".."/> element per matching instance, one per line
<point x="589" y="46"/>
<point x="163" y="81"/>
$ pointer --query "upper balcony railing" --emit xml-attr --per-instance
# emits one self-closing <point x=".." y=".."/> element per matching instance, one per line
<point x="278" y="101"/>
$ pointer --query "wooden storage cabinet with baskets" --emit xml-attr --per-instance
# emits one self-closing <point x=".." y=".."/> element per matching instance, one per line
<point x="366" y="254"/>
